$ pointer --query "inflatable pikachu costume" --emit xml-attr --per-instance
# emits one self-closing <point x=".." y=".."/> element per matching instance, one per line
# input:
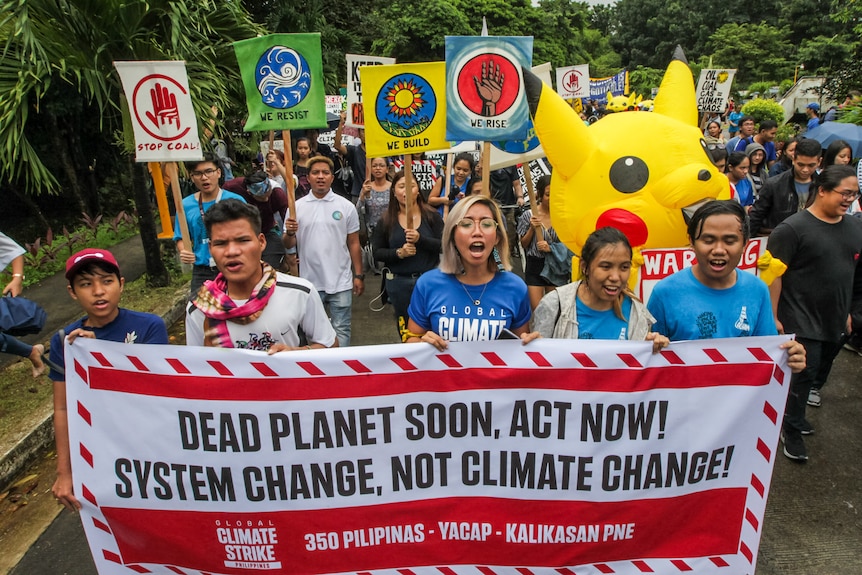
<point x="640" y="172"/>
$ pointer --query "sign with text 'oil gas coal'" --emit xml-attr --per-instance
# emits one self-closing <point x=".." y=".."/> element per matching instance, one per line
<point x="552" y="457"/>
<point x="161" y="111"/>
<point x="713" y="90"/>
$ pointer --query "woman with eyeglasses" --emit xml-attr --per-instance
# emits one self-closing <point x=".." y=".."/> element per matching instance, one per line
<point x="472" y="295"/>
<point x="407" y="249"/>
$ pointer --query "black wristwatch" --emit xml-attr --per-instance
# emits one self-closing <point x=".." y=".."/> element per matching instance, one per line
<point x="359" y="277"/>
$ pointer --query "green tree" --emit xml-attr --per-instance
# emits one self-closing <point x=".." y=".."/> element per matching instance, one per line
<point x="764" y="109"/>
<point x="409" y="34"/>
<point x="344" y="27"/>
<point x="643" y="79"/>
<point x="821" y="55"/>
<point x="53" y="43"/>
<point x="759" y="52"/>
<point x="647" y="31"/>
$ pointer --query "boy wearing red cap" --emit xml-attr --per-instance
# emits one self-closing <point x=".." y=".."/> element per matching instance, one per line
<point x="96" y="284"/>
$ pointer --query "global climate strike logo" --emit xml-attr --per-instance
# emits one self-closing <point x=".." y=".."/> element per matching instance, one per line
<point x="406" y="105"/>
<point x="283" y="77"/>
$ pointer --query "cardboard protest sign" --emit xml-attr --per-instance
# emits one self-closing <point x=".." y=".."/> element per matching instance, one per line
<point x="573" y="82"/>
<point x="485" y="87"/>
<point x="713" y="89"/>
<point x="409" y="104"/>
<point x="425" y="172"/>
<point x="355" y="111"/>
<point x="283" y="79"/>
<point x="161" y="110"/>
<point x="660" y="263"/>
<point x="536" y="169"/>
<point x="557" y="457"/>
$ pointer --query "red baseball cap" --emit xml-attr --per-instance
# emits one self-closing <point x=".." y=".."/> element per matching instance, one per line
<point x="88" y="256"/>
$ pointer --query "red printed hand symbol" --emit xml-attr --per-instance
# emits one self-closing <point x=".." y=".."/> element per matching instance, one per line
<point x="165" y="109"/>
<point x="490" y="88"/>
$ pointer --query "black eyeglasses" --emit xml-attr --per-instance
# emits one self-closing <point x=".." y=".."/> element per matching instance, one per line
<point x="712" y="147"/>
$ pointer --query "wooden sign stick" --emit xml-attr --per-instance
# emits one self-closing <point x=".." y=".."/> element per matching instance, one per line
<point x="161" y="200"/>
<point x="408" y="196"/>
<point x="486" y="168"/>
<point x="288" y="173"/>
<point x="178" y="204"/>
<point x="448" y="182"/>
<point x="531" y="194"/>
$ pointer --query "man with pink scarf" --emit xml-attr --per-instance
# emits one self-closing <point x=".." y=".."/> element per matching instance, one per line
<point x="249" y="304"/>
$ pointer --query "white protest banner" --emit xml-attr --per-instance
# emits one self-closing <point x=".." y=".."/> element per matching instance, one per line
<point x="160" y="106"/>
<point x="713" y="89"/>
<point x="573" y="82"/>
<point x="660" y="263"/>
<point x="355" y="111"/>
<point x="550" y="456"/>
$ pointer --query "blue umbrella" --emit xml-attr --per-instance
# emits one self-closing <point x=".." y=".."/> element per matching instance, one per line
<point x="828" y="132"/>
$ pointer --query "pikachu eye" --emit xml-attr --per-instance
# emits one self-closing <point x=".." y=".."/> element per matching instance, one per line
<point x="629" y="174"/>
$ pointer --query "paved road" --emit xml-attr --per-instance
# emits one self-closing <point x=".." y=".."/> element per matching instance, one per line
<point x="812" y="526"/>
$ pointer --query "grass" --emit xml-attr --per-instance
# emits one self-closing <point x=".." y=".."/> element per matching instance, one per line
<point x="22" y="397"/>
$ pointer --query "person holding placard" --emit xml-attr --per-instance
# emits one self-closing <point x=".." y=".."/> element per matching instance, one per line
<point x="460" y="181"/>
<point x="325" y="232"/>
<point x="537" y="246"/>
<point x="409" y="247"/>
<point x="472" y="296"/>
<point x="205" y="176"/>
<point x="96" y="284"/>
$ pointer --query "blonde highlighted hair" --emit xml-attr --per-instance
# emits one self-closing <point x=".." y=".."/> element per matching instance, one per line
<point x="450" y="261"/>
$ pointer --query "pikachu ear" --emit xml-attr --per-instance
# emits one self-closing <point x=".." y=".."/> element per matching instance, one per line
<point x="565" y="138"/>
<point x="676" y="96"/>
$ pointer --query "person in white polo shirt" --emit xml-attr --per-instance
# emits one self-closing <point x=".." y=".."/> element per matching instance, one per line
<point x="325" y="232"/>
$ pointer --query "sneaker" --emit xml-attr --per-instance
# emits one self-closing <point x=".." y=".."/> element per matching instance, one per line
<point x="794" y="447"/>
<point x="814" y="398"/>
<point x="807" y="428"/>
<point x="850" y="347"/>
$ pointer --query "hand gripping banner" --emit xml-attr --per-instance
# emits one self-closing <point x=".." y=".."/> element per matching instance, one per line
<point x="558" y="457"/>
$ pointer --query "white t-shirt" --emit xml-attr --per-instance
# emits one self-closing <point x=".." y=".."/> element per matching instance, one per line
<point x="293" y="305"/>
<point x="321" y="241"/>
<point x="9" y="250"/>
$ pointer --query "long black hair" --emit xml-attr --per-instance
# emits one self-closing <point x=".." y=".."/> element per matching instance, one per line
<point x="391" y="214"/>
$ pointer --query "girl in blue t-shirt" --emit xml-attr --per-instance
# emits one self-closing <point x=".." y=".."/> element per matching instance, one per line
<point x="462" y="174"/>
